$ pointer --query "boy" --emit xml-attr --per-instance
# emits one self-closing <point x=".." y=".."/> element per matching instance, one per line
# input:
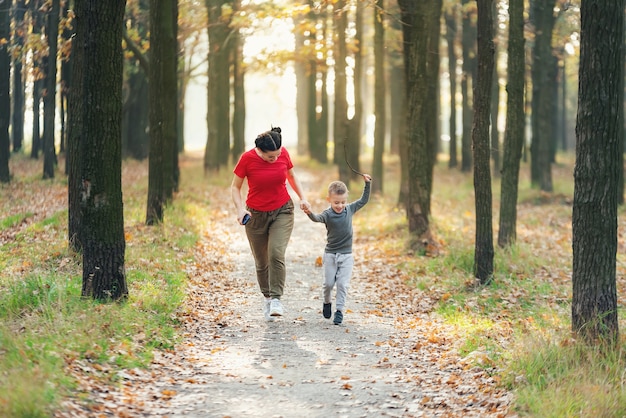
<point x="338" y="260"/>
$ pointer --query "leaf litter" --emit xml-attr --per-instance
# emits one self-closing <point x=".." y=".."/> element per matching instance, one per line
<point x="391" y="357"/>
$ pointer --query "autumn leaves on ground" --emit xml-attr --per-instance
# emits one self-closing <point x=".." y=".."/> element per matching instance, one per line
<point x="59" y="352"/>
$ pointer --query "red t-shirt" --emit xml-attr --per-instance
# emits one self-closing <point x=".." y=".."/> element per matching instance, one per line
<point x="267" y="182"/>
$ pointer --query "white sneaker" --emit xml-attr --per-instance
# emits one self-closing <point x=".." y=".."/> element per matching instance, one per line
<point x="266" y="310"/>
<point x="276" y="308"/>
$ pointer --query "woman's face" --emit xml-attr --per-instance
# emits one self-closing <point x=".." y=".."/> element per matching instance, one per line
<point x="270" y="156"/>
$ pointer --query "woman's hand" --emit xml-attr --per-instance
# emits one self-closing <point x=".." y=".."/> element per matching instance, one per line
<point x="305" y="206"/>
<point x="242" y="215"/>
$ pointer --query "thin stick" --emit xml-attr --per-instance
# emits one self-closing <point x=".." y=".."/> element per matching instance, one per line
<point x="345" y="156"/>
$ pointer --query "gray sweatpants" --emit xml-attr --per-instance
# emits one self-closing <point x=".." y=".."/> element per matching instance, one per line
<point x="337" y="270"/>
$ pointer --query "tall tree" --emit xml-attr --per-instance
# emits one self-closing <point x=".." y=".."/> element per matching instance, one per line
<point x="218" y="90"/>
<point x="18" y="92"/>
<point x="49" y="102"/>
<point x="317" y="99"/>
<point x="38" y="71"/>
<point x="514" y="131"/>
<point x="99" y="49"/>
<point x="379" y="96"/>
<point x="418" y="21"/>
<point x="135" y="116"/>
<point x="239" y="96"/>
<point x="596" y="173"/>
<point x="5" y="99"/>
<point x="543" y="80"/>
<point x="495" y="102"/>
<point x="355" y="123"/>
<point x="451" y="36"/>
<point x="468" y="43"/>
<point x="340" y="120"/>
<point x="163" y="107"/>
<point x="75" y="116"/>
<point x="483" y="253"/>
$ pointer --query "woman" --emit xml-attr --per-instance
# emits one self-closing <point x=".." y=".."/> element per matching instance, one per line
<point x="268" y="167"/>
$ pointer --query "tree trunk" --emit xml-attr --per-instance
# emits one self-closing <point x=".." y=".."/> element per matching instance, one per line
<point x="433" y="130"/>
<point x="379" y="97"/>
<point x="514" y="132"/>
<point x="99" y="49"/>
<point x="483" y="255"/>
<point x="467" y="83"/>
<point x="218" y="91"/>
<point x="37" y="24"/>
<point x="5" y="99"/>
<point x="341" y="103"/>
<point x="49" y="102"/>
<point x="135" y="122"/>
<point x="163" y="105"/>
<point x="451" y="36"/>
<point x="418" y="19"/>
<point x="75" y="132"/>
<point x="65" y="78"/>
<point x="355" y="123"/>
<point x="239" y="97"/>
<point x="495" y="106"/>
<point x="596" y="173"/>
<point x="18" y="81"/>
<point x="542" y="17"/>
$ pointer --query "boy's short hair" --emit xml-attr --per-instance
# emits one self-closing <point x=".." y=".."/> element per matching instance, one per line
<point x="337" y="187"/>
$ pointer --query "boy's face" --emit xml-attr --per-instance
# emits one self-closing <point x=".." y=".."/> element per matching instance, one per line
<point x="338" y="202"/>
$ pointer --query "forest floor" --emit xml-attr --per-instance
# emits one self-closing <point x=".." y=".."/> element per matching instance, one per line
<point x="392" y="356"/>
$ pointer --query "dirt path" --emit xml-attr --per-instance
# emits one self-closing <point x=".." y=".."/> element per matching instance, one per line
<point x="388" y="358"/>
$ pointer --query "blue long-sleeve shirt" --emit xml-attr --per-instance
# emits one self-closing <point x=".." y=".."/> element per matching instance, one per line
<point x="339" y="225"/>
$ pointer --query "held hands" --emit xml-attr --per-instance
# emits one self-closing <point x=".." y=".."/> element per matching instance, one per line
<point x="305" y="206"/>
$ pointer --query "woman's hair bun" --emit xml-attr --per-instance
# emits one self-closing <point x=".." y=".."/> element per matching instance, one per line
<point x="269" y="141"/>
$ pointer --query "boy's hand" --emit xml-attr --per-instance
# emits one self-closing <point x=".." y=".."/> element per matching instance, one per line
<point x="367" y="178"/>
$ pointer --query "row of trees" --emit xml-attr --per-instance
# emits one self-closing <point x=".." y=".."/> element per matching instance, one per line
<point x="331" y="41"/>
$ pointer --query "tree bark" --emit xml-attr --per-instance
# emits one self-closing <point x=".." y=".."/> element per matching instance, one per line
<point x="163" y="107"/>
<point x="596" y="173"/>
<point x="495" y="104"/>
<point x="451" y="36"/>
<point x="467" y="82"/>
<point x="379" y="96"/>
<point x="18" y="91"/>
<point x="218" y="91"/>
<point x="542" y="17"/>
<point x="515" y="121"/>
<point x="99" y="49"/>
<point x="418" y="19"/>
<point x="341" y="124"/>
<point x="483" y="255"/>
<point x="75" y="133"/>
<point x="38" y="69"/>
<point x="5" y="99"/>
<point x="239" y="96"/>
<point x="49" y="102"/>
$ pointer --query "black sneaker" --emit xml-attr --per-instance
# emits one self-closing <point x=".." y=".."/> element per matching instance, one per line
<point x="338" y="318"/>
<point x="326" y="310"/>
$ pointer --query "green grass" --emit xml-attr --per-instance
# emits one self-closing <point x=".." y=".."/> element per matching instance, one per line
<point x="47" y="328"/>
<point x="519" y="326"/>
